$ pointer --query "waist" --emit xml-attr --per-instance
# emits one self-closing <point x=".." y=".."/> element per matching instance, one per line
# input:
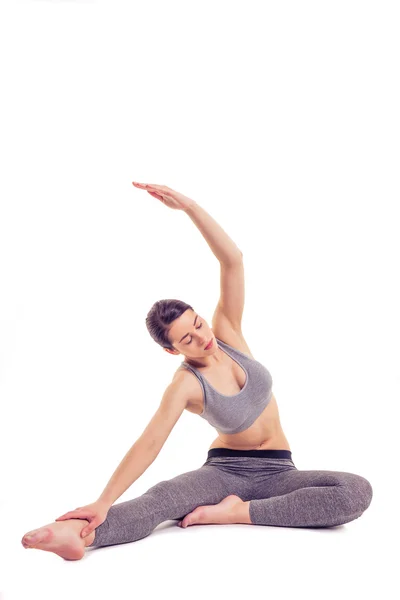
<point x="257" y="437"/>
<point x="268" y="453"/>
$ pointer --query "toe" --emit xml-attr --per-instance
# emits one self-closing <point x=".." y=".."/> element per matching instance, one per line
<point x="36" y="537"/>
<point x="194" y="517"/>
<point x="186" y="521"/>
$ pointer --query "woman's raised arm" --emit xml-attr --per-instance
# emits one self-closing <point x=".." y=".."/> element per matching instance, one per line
<point x="222" y="246"/>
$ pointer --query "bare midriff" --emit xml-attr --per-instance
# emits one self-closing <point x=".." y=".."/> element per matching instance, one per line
<point x="266" y="432"/>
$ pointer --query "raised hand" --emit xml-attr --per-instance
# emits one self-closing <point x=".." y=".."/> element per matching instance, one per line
<point x="166" y="195"/>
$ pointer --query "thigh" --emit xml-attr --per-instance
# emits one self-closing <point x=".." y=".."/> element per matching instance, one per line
<point x="355" y="490"/>
<point x="183" y="493"/>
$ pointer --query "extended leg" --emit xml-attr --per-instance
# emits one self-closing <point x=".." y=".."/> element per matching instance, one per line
<point x="167" y="500"/>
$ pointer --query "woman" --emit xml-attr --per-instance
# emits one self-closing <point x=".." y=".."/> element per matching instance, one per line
<point x="249" y="476"/>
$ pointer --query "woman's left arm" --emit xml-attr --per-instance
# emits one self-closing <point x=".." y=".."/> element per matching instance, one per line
<point x="222" y="246"/>
<point x="228" y="313"/>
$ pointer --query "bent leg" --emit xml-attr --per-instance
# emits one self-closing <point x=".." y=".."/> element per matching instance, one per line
<point x="170" y="499"/>
<point x="296" y="498"/>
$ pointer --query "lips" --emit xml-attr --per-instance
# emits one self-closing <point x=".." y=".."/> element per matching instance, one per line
<point x="209" y="345"/>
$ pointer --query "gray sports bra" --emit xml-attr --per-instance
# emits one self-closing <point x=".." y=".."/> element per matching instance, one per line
<point x="233" y="414"/>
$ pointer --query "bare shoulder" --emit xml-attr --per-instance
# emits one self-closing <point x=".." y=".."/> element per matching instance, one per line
<point x="186" y="385"/>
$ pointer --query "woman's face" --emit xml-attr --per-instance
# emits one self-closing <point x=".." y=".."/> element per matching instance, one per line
<point x="190" y="333"/>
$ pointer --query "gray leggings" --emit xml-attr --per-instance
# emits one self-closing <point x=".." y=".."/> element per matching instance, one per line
<point x="278" y="492"/>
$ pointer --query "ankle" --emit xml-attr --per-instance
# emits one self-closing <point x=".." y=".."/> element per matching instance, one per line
<point x="89" y="539"/>
<point x="80" y="524"/>
<point x="241" y="513"/>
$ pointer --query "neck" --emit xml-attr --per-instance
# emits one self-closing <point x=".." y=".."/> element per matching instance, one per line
<point x="208" y="361"/>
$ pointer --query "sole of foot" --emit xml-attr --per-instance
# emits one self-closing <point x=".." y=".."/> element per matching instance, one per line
<point x="61" y="537"/>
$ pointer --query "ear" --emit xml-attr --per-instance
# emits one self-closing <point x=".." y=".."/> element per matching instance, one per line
<point x="174" y="352"/>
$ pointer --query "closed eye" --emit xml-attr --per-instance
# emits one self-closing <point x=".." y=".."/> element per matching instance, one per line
<point x="196" y="328"/>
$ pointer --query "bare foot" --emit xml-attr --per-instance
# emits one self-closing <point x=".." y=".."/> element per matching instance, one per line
<point x="222" y="513"/>
<point x="61" y="537"/>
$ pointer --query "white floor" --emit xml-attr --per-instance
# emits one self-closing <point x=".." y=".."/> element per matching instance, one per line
<point x="218" y="561"/>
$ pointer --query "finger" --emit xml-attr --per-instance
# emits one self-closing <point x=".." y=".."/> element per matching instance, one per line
<point x="88" y="530"/>
<point x="162" y="196"/>
<point x="69" y="512"/>
<point x="64" y="517"/>
<point x="72" y="514"/>
<point x="155" y="195"/>
<point x="155" y="187"/>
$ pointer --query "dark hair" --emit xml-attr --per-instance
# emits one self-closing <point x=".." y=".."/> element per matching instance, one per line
<point x="161" y="314"/>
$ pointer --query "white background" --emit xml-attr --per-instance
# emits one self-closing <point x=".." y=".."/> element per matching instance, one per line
<point x="281" y="119"/>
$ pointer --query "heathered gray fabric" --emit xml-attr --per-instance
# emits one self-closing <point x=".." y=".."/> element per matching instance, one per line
<point x="232" y="414"/>
<point x="279" y="494"/>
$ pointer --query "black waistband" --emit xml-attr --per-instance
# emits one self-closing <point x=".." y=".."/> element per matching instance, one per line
<point x="270" y="453"/>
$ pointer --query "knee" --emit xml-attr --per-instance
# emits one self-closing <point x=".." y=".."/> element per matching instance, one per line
<point x="358" y="493"/>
